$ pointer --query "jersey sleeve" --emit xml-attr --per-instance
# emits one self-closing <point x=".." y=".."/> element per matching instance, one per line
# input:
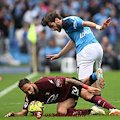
<point x="27" y="102"/>
<point x="72" y="24"/>
<point x="48" y="82"/>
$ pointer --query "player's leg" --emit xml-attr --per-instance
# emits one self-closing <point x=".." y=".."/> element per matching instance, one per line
<point x="97" y="67"/>
<point x="84" y="71"/>
<point x="86" y="59"/>
<point x="99" y="74"/>
<point x="99" y="101"/>
<point x="67" y="108"/>
<point x="62" y="107"/>
<point x="85" y="65"/>
<point x="98" y="54"/>
<point x="100" y="83"/>
<point x="90" y="79"/>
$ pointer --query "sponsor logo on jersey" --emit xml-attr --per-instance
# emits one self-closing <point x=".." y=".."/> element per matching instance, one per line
<point x="85" y="32"/>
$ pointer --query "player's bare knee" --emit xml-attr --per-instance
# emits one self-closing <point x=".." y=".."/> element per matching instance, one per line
<point x="86" y="95"/>
<point x="89" y="97"/>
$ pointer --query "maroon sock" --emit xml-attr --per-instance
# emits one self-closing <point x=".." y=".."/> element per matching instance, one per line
<point x="101" y="102"/>
<point x="81" y="112"/>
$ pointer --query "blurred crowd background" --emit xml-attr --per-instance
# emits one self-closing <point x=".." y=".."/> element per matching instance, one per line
<point x="17" y="15"/>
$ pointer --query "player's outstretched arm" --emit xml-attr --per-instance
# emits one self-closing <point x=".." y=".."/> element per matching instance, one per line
<point x="79" y="83"/>
<point x="70" y="45"/>
<point x="22" y="113"/>
<point x="53" y="57"/>
<point x="92" y="89"/>
<point x="106" y="24"/>
<point x="94" y="25"/>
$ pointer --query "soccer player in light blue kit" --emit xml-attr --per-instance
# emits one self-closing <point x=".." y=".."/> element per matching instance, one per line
<point x="89" y="52"/>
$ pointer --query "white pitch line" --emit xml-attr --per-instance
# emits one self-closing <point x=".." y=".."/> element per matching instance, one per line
<point x="10" y="88"/>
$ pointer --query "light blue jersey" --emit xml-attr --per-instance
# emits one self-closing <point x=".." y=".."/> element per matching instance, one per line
<point x="81" y="36"/>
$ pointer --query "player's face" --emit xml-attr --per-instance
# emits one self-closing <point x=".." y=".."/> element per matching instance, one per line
<point x="29" y="89"/>
<point x="55" y="26"/>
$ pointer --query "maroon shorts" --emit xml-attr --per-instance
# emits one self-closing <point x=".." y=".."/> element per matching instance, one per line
<point x="75" y="92"/>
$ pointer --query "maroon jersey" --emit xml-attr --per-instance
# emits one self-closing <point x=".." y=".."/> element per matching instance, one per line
<point x="52" y="90"/>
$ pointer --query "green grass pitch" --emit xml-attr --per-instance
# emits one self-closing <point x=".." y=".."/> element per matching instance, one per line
<point x="14" y="100"/>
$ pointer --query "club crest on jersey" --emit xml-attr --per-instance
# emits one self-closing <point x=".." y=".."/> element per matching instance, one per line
<point x="58" y="83"/>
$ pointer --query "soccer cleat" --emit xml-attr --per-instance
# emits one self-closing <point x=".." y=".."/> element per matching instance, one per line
<point x="114" y="112"/>
<point x="99" y="75"/>
<point x="97" y="111"/>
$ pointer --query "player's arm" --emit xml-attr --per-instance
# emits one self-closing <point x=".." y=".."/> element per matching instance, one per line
<point x="94" y="25"/>
<point x="22" y="113"/>
<point x="70" y="45"/>
<point x="81" y="84"/>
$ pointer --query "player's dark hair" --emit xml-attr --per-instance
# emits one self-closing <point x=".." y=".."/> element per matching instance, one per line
<point x="50" y="17"/>
<point x="22" y="82"/>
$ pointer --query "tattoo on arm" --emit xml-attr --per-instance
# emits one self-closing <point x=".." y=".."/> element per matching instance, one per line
<point x="76" y="83"/>
<point x="73" y="82"/>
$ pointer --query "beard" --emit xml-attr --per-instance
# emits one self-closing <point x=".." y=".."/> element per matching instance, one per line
<point x="34" y="95"/>
<point x="58" y="27"/>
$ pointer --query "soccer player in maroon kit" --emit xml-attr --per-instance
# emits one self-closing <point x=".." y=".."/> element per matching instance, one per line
<point x="64" y="91"/>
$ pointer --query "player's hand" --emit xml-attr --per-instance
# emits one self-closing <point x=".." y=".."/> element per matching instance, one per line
<point x="106" y="24"/>
<point x="9" y="114"/>
<point x="52" y="57"/>
<point x="93" y="89"/>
